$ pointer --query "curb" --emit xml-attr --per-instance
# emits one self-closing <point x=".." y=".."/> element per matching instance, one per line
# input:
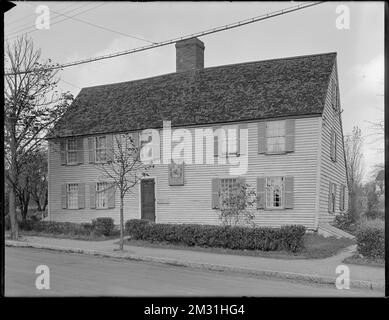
<point x="310" y="278"/>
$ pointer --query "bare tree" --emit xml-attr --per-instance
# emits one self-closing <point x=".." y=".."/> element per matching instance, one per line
<point x="38" y="171"/>
<point x="125" y="170"/>
<point x="353" y="152"/>
<point x="31" y="106"/>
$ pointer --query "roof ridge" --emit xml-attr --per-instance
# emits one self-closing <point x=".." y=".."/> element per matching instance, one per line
<point x="214" y="67"/>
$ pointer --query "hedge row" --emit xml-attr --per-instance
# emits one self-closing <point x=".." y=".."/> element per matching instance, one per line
<point x="371" y="240"/>
<point x="99" y="226"/>
<point x="290" y="238"/>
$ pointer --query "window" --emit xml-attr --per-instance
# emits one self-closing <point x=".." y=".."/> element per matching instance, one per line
<point x="333" y="146"/>
<point x="72" y="196"/>
<point x="146" y="152"/>
<point x="71" y="151"/>
<point x="228" y="138"/>
<point x="275" y="192"/>
<point x="332" y="198"/>
<point x="228" y="187"/>
<point x="101" y="149"/>
<point x="102" y="195"/>
<point x="275" y="136"/>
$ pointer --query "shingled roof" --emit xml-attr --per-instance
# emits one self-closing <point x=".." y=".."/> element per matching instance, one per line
<point x="246" y="91"/>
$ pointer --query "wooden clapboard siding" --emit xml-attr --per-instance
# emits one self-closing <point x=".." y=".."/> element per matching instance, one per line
<point x="192" y="203"/>
<point x="331" y="171"/>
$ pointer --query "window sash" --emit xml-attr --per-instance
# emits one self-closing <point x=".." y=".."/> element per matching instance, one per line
<point x="229" y="141"/>
<point x="72" y="195"/>
<point x="227" y="186"/>
<point x="275" y="190"/>
<point x="275" y="136"/>
<point x="102" y="195"/>
<point x="71" y="151"/>
<point x="101" y="148"/>
<point x="144" y="138"/>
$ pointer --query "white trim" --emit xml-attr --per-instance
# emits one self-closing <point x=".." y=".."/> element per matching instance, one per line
<point x="318" y="175"/>
<point x="140" y="198"/>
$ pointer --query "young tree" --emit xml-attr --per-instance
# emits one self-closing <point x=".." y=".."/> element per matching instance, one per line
<point x="38" y="178"/>
<point x="31" y="106"/>
<point x="238" y="206"/>
<point x="353" y="153"/>
<point x="125" y="169"/>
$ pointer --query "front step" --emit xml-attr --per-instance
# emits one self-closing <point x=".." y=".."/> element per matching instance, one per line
<point x="327" y="230"/>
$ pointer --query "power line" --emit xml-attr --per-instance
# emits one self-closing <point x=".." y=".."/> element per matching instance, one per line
<point x="30" y="27"/>
<point x="104" y="28"/>
<point x="51" y="24"/>
<point x="168" y="42"/>
<point x="26" y="16"/>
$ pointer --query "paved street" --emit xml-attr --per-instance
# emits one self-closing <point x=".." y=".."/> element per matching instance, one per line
<point x="83" y="275"/>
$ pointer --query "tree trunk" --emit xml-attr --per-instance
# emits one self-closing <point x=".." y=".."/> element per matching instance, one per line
<point x="12" y="191"/>
<point x="121" y="224"/>
<point x="12" y="214"/>
<point x="38" y="204"/>
<point x="24" y="207"/>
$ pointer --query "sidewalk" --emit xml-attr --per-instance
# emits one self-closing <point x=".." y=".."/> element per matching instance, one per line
<point x="311" y="270"/>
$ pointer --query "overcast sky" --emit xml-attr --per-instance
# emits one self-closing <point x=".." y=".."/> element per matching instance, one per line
<point x="313" y="30"/>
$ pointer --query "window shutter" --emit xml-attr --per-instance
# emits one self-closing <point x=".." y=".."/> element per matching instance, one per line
<point x="109" y="149"/>
<point x="62" y="148"/>
<point x="64" y="197"/>
<point x="215" y="193"/>
<point x="92" y="195"/>
<point x="216" y="142"/>
<point x="81" y="195"/>
<point x="260" y="193"/>
<point x="335" y="187"/>
<point x="80" y="150"/>
<point x="329" y="199"/>
<point x="335" y="145"/>
<point x="332" y="144"/>
<point x="111" y="195"/>
<point x="242" y="140"/>
<point x="289" y="135"/>
<point x="156" y="146"/>
<point x="334" y="94"/>
<point x="289" y="192"/>
<point x="91" y="149"/>
<point x="135" y="136"/>
<point x="262" y="146"/>
<point x="341" y="198"/>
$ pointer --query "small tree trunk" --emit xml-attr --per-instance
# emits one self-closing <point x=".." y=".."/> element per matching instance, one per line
<point x="121" y="223"/>
<point x="38" y="204"/>
<point x="12" y="214"/>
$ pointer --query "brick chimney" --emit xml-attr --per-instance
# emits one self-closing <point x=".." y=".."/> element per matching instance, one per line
<point x="189" y="55"/>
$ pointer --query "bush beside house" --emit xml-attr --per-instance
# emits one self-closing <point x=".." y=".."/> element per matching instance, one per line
<point x="371" y="240"/>
<point x="289" y="238"/>
<point x="99" y="227"/>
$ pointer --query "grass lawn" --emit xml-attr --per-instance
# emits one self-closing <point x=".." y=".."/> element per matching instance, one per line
<point x="91" y="237"/>
<point x="316" y="247"/>
<point x="363" y="261"/>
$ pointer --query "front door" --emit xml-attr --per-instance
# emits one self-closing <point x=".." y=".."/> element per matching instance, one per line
<point x="147" y="193"/>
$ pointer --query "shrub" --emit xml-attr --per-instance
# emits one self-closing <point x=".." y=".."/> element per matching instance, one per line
<point x="290" y="238"/>
<point x="135" y="227"/>
<point x="371" y="239"/>
<point x="104" y="226"/>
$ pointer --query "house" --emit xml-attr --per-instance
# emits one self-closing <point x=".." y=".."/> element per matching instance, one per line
<point x="291" y="112"/>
